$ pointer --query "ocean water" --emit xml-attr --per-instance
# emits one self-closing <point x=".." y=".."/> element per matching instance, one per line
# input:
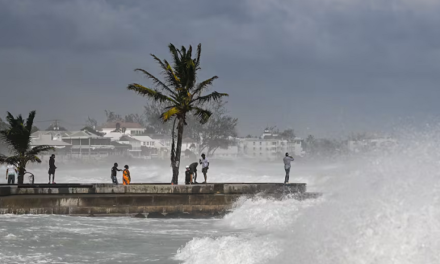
<point x="382" y="207"/>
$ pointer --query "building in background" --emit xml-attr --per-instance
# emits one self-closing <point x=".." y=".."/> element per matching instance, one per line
<point x="42" y="138"/>
<point x="87" y="143"/>
<point x="123" y="127"/>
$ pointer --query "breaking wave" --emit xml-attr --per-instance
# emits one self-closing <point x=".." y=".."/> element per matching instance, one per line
<point x="383" y="207"/>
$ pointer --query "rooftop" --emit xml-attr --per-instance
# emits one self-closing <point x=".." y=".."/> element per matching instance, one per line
<point x="122" y="124"/>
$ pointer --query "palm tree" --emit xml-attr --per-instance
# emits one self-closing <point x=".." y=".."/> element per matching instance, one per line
<point x="18" y="137"/>
<point x="179" y="94"/>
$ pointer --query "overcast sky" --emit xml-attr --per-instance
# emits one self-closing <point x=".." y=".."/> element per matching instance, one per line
<point x="325" y="67"/>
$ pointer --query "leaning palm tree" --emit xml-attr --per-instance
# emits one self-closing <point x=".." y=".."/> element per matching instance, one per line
<point x="18" y="137"/>
<point x="179" y="94"/>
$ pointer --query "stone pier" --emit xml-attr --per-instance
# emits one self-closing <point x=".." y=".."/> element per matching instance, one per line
<point x="139" y="200"/>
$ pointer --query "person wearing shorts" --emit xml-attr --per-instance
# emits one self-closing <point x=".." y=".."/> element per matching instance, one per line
<point x="11" y="171"/>
<point x="205" y="166"/>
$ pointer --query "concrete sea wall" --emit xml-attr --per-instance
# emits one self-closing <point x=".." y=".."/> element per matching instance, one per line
<point x="140" y="200"/>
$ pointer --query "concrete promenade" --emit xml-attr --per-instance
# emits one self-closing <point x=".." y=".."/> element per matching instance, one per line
<point x="139" y="200"/>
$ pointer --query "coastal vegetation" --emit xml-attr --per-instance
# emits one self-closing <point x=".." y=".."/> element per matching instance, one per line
<point x="16" y="135"/>
<point x="179" y="95"/>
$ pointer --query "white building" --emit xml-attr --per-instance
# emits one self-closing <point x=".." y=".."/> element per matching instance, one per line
<point x="123" y="127"/>
<point x="114" y="136"/>
<point x="269" y="149"/>
<point x="231" y="152"/>
<point x="147" y="141"/>
<point x="40" y="139"/>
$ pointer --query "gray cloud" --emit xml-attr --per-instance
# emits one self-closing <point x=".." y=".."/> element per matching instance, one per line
<point x="323" y="67"/>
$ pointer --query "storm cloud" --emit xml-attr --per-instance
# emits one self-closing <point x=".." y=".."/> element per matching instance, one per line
<point x="326" y="67"/>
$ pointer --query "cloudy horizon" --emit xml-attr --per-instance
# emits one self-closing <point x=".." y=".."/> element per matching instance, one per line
<point x="322" y="67"/>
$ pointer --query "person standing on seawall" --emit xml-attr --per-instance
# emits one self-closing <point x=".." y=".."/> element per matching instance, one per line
<point x="126" y="178"/>
<point x="205" y="166"/>
<point x="11" y="171"/>
<point x="52" y="168"/>
<point x="287" y="159"/>
<point x="114" y="172"/>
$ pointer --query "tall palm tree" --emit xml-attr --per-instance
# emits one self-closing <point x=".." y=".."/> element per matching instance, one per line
<point x="179" y="94"/>
<point x="18" y="137"/>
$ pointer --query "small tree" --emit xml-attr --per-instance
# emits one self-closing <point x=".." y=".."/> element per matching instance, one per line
<point x="91" y="122"/>
<point x="18" y="138"/>
<point x="219" y="131"/>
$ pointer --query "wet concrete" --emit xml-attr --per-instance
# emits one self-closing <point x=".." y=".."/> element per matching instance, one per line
<point x="138" y="200"/>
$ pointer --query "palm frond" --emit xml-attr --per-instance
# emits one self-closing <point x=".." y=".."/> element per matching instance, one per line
<point x="154" y="94"/>
<point x="161" y="63"/>
<point x="33" y="158"/>
<point x="157" y="82"/>
<point x="203" y="85"/>
<point x="170" y="113"/>
<point x="38" y="149"/>
<point x="16" y="136"/>
<point x="175" y="53"/>
<point x="167" y="72"/>
<point x="189" y="52"/>
<point x="183" y="49"/>
<point x="191" y="75"/>
<point x="202" y="114"/>
<point x="171" y="77"/>
<point x="199" y="52"/>
<point x="3" y="159"/>
<point x="14" y="160"/>
<point x="30" y="121"/>
<point x="214" y="96"/>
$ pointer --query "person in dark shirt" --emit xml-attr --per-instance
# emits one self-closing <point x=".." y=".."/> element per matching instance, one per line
<point x="52" y="168"/>
<point x="193" y="169"/>
<point x="114" y="172"/>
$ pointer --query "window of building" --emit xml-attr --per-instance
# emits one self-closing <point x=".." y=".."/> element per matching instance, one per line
<point x="261" y="142"/>
<point x="261" y="148"/>
<point x="254" y="143"/>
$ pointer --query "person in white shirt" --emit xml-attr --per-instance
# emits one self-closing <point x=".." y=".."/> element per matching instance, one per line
<point x="287" y="159"/>
<point x="205" y="166"/>
<point x="11" y="171"/>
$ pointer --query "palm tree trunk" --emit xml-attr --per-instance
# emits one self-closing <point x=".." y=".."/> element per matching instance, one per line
<point x="178" y="151"/>
<point x="173" y="152"/>
<point x="21" y="170"/>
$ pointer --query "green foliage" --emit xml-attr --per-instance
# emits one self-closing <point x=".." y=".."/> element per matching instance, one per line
<point x="220" y="130"/>
<point x="287" y="134"/>
<point x="112" y="117"/>
<point x="91" y="122"/>
<point x="131" y="118"/>
<point x="17" y="136"/>
<point x="179" y="94"/>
